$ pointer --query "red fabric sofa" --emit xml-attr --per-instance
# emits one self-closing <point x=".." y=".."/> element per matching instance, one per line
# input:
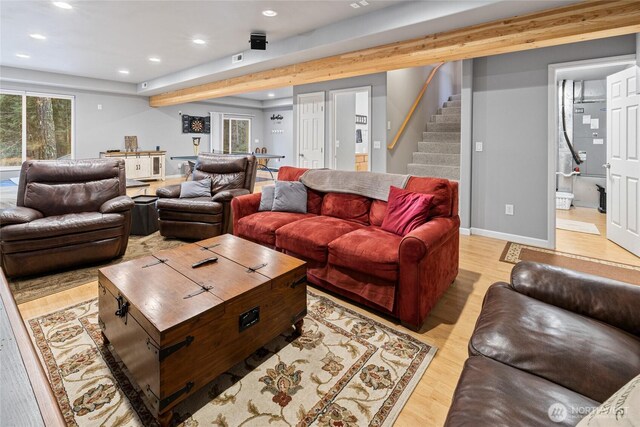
<point x="348" y="253"/>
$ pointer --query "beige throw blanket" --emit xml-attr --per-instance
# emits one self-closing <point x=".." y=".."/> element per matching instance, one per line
<point x="369" y="184"/>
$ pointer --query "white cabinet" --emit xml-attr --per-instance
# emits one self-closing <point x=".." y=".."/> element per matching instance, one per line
<point x="141" y="164"/>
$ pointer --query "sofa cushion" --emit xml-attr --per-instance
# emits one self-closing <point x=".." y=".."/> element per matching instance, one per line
<point x="266" y="198"/>
<point x="310" y="237"/>
<point x="261" y="227"/>
<point x="491" y="394"/>
<point x="407" y="211"/>
<point x="369" y="250"/>
<point x="377" y="212"/>
<point x="190" y="189"/>
<point x="290" y="197"/>
<point x="554" y="343"/>
<point x="61" y="225"/>
<point x="196" y="205"/>
<point x="347" y="206"/>
<point x="442" y="203"/>
<point x="60" y="199"/>
<point x="620" y="410"/>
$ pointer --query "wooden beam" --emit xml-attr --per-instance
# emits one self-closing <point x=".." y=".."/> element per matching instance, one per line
<point x="575" y="23"/>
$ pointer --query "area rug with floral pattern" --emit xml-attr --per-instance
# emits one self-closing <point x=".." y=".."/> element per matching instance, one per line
<point x="344" y="370"/>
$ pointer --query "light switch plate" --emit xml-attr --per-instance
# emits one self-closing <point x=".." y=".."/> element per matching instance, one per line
<point x="388" y="125"/>
<point x="99" y="106"/>
<point x="508" y="209"/>
<point x="376" y="144"/>
<point x="479" y="146"/>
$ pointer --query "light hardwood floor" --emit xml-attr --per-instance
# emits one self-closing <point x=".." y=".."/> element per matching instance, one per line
<point x="450" y="324"/>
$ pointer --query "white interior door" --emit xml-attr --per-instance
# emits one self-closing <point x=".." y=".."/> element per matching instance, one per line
<point x="344" y="131"/>
<point x="623" y="160"/>
<point x="311" y="130"/>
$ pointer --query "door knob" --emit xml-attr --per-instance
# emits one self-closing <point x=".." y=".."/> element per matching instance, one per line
<point x="301" y="155"/>
<point x="607" y="166"/>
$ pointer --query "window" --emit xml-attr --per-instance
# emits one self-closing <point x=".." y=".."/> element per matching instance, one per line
<point x="236" y="136"/>
<point x="35" y="126"/>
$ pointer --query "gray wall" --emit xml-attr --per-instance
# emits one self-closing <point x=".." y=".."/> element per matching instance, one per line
<point x="510" y="117"/>
<point x="378" y="116"/>
<point x="279" y="143"/>
<point x="402" y="88"/>
<point x="99" y="130"/>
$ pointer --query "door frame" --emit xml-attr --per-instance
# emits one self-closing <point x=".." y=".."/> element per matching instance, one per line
<point x="332" y="121"/>
<point x="552" y="127"/>
<point x="300" y="97"/>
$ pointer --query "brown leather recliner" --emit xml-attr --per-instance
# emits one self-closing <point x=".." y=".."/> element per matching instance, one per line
<point x="68" y="213"/>
<point x="199" y="218"/>
<point x="547" y="349"/>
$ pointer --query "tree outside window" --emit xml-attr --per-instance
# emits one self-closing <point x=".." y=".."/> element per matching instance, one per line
<point x="48" y="128"/>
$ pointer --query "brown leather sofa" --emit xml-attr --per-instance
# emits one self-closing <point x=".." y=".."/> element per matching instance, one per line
<point x="68" y="213"/>
<point x="199" y="218"/>
<point x="548" y="348"/>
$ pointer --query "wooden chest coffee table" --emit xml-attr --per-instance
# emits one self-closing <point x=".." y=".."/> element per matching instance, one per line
<point x="176" y="327"/>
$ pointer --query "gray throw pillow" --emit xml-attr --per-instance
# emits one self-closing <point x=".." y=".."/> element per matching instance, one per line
<point x="201" y="188"/>
<point x="266" y="198"/>
<point x="290" y="197"/>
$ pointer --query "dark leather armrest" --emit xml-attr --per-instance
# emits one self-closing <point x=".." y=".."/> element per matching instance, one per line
<point x="170" y="191"/>
<point x="19" y="215"/>
<point x="227" y="195"/>
<point x="606" y="300"/>
<point x="117" y="204"/>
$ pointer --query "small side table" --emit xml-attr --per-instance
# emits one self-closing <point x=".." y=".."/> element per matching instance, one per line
<point x="144" y="216"/>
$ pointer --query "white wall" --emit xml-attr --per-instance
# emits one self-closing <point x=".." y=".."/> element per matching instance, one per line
<point x="280" y="142"/>
<point x="100" y="130"/>
<point x="510" y="118"/>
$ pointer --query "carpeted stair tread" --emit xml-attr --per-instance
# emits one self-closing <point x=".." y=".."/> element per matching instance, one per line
<point x="438" y="171"/>
<point x="439" y="147"/>
<point x="449" y="111"/>
<point x="440" y="118"/>
<point x="436" y="159"/>
<point x="441" y="136"/>
<point x="443" y="127"/>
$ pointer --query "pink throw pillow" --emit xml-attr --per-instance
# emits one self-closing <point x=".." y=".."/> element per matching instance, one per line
<point x="406" y="211"/>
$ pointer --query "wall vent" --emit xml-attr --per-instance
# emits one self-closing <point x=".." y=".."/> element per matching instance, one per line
<point x="237" y="58"/>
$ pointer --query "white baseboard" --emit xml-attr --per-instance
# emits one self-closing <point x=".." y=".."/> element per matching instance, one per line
<point x="465" y="231"/>
<point x="511" y="237"/>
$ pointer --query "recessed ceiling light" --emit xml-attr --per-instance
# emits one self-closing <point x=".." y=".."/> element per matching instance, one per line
<point x="23" y="55"/>
<point x="37" y="36"/>
<point x="364" y="2"/>
<point x="271" y="94"/>
<point x="198" y="41"/>
<point x="62" y="5"/>
<point x="270" y="13"/>
<point x="123" y="71"/>
<point x="154" y="59"/>
<point x="354" y="5"/>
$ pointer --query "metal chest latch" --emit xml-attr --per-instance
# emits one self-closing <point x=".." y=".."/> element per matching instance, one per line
<point x="123" y="308"/>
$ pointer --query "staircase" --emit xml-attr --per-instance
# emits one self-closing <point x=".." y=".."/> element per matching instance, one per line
<point x="439" y="151"/>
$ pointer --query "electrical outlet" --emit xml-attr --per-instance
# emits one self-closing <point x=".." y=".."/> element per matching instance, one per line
<point x="508" y="209"/>
<point x="376" y="144"/>
<point x="479" y="146"/>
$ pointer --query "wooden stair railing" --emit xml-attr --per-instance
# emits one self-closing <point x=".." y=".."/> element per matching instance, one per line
<point x="414" y="106"/>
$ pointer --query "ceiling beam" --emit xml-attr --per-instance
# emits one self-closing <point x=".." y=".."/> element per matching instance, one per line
<point x="578" y="22"/>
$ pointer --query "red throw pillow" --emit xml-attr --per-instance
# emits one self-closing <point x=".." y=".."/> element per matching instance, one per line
<point x="406" y="211"/>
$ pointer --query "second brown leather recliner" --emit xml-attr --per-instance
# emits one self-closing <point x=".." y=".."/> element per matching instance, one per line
<point x="198" y="218"/>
